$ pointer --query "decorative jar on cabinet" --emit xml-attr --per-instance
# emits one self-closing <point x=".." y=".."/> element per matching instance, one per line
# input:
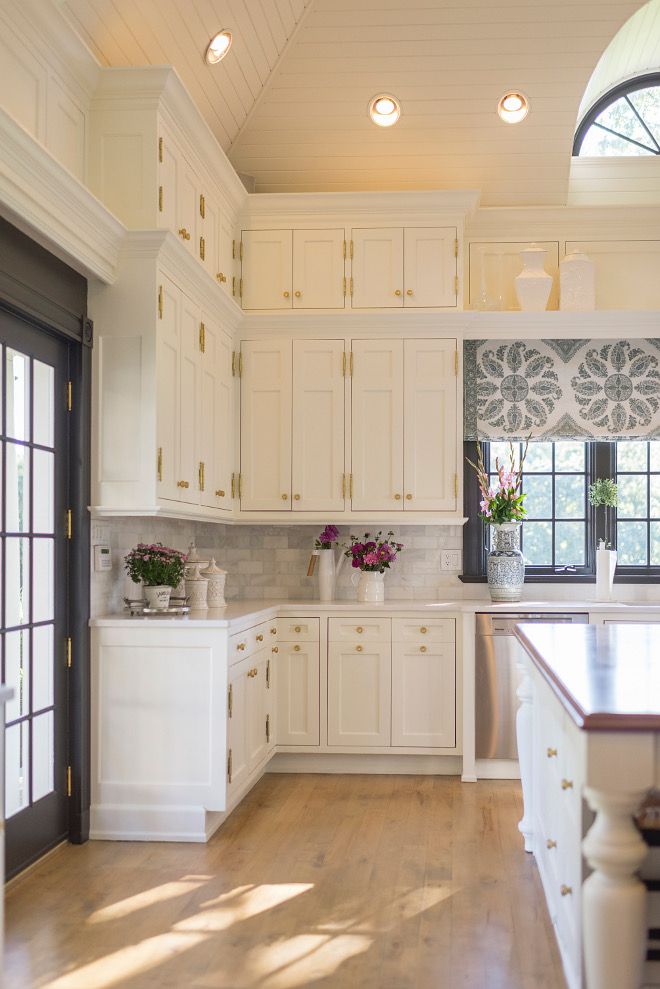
<point x="533" y="284"/>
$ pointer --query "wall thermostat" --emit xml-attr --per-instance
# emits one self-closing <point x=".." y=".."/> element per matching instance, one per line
<point x="102" y="557"/>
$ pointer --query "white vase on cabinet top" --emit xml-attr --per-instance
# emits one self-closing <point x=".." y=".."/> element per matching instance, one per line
<point x="533" y="284"/>
<point x="577" y="283"/>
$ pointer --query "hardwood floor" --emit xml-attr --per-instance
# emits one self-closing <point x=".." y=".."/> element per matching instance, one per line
<point x="378" y="882"/>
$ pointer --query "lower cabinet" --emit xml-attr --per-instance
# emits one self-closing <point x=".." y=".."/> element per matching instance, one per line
<point x="298" y="683"/>
<point x="359" y="693"/>
<point x="251" y="720"/>
<point x="424" y="695"/>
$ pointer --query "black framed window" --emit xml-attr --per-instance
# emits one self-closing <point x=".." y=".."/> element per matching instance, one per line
<point x="638" y="512"/>
<point x="624" y="122"/>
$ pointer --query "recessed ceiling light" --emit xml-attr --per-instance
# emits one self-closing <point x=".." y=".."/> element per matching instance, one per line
<point x="384" y="110"/>
<point x="218" y="47"/>
<point x="513" y="107"/>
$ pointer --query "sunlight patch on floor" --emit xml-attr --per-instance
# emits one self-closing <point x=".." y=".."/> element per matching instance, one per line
<point x="295" y="961"/>
<point x="147" y="898"/>
<point x="239" y="905"/>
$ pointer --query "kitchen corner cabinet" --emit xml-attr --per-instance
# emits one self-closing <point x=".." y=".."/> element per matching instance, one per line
<point x="251" y="705"/>
<point x="293" y="269"/>
<point x="415" y="267"/>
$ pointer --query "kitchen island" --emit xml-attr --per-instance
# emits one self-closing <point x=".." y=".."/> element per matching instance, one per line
<point x="589" y="740"/>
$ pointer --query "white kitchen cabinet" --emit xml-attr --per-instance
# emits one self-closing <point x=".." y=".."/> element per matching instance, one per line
<point x="189" y="480"/>
<point x="298" y="683"/>
<point x="258" y="710"/>
<point x="318" y="269"/>
<point x="168" y="389"/>
<point x="238" y="761"/>
<point x="377" y="268"/>
<point x="216" y="416"/>
<point x="267" y="269"/>
<point x="266" y="398"/>
<point x="377" y="425"/>
<point x="429" y="258"/>
<point x="424" y="694"/>
<point x="359" y="693"/>
<point x="208" y="228"/>
<point x="188" y="192"/>
<point x="430" y="440"/>
<point x="318" y="470"/>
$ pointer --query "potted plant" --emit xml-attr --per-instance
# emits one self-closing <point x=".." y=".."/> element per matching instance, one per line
<point x="502" y="508"/>
<point x="372" y="556"/>
<point x="329" y="568"/>
<point x="159" y="568"/>
<point x="603" y="495"/>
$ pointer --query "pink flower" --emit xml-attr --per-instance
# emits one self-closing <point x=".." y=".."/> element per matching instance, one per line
<point x="371" y="559"/>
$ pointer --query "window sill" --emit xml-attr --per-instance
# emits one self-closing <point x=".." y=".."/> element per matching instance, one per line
<point x="572" y="578"/>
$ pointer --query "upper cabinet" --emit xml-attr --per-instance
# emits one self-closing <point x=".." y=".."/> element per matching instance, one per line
<point x="410" y="268"/>
<point x="266" y="269"/>
<point x="377" y="273"/>
<point x="293" y="269"/>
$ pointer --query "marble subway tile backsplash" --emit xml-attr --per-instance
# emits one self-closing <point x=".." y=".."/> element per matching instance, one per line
<point x="270" y="562"/>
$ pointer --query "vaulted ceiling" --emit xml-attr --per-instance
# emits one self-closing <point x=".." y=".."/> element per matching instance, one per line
<point x="289" y="103"/>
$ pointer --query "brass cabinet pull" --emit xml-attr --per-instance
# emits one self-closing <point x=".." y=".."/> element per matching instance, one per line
<point x="240" y="646"/>
<point x="298" y="295"/>
<point x="297" y="628"/>
<point x="201" y="475"/>
<point x="260" y="638"/>
<point x="286" y="294"/>
<point x="359" y="648"/>
<point x="202" y="249"/>
<point x="359" y="630"/>
<point x="551" y="753"/>
<point x="567" y="784"/>
<point x="273" y="631"/>
<point x="397" y="497"/>
<point x="409" y="291"/>
<point x="397" y="291"/>
<point x="296" y="648"/>
<point x="285" y="497"/>
<point x="296" y="497"/>
<point x="409" y="497"/>
<point x="219" y="493"/>
<point x="423" y="630"/>
<point x="183" y="233"/>
<point x="221" y="278"/>
<point x="182" y="484"/>
<point x="565" y="890"/>
<point x="422" y="648"/>
<point x="550" y="843"/>
<point x="275" y="649"/>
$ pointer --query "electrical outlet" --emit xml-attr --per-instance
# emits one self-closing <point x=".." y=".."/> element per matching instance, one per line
<point x="450" y="559"/>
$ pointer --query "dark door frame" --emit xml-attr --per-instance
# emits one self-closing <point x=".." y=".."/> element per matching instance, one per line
<point x="38" y="287"/>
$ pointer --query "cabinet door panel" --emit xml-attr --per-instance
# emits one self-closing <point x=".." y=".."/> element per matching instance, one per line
<point x="237" y="726"/>
<point x="224" y="425"/>
<point x="430" y="266"/>
<point x="318" y="269"/>
<point x="377" y="268"/>
<point x="424" y="695"/>
<point x="298" y="693"/>
<point x="626" y="270"/>
<point x="225" y="271"/>
<point x="168" y="375"/>
<point x="377" y="425"/>
<point x="430" y="437"/>
<point x="257" y="709"/>
<point x="190" y="399"/>
<point x="168" y="179"/>
<point x="267" y="269"/>
<point x="266" y="426"/>
<point x="215" y="421"/>
<point x="359" y="694"/>
<point x="318" y="425"/>
<point x="187" y="206"/>
<point x="208" y="230"/>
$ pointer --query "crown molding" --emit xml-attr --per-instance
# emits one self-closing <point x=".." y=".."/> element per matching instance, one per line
<point x="314" y="207"/>
<point x="46" y="202"/>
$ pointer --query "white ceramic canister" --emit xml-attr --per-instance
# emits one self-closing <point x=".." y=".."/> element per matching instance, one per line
<point x="216" y="577"/>
<point x="193" y="559"/>
<point x="577" y="283"/>
<point x="196" y="589"/>
<point x="533" y="284"/>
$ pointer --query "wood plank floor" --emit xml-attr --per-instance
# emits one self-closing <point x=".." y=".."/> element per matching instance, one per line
<point x="379" y="882"/>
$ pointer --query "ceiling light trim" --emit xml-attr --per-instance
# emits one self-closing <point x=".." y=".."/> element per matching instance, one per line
<point x="218" y="47"/>
<point x="384" y="109"/>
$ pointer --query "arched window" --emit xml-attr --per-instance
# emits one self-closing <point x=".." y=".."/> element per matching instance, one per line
<point x="623" y="122"/>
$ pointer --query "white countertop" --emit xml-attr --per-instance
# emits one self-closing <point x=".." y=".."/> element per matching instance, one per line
<point x="238" y="613"/>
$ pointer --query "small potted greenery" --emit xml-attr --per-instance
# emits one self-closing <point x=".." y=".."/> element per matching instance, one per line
<point x="603" y="497"/>
<point x="158" y="568"/>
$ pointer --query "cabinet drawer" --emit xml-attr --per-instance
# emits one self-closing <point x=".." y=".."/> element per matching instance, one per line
<point x="420" y="631"/>
<point x="298" y="629"/>
<point x="360" y="629"/>
<point x="243" y="644"/>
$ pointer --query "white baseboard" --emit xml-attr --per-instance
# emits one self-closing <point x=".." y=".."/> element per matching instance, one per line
<point x="133" y="822"/>
<point x="498" y="769"/>
<point x="398" y="765"/>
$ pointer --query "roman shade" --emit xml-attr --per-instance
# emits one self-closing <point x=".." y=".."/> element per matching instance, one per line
<point x="561" y="389"/>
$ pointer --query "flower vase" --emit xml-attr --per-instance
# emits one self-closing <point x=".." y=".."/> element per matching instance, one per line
<point x="506" y="564"/>
<point x="158" y="598"/>
<point x="327" y="574"/>
<point x="533" y="284"/>
<point x="605" y="567"/>
<point x="370" y="586"/>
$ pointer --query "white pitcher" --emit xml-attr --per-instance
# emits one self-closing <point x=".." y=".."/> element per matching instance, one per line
<point x="329" y="570"/>
<point x="370" y="586"/>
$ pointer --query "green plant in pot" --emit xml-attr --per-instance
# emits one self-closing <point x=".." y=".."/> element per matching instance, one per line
<point x="603" y="496"/>
<point x="159" y="568"/>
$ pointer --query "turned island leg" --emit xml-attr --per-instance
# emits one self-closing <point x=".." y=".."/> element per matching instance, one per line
<point x="524" y="729"/>
<point x="613" y="898"/>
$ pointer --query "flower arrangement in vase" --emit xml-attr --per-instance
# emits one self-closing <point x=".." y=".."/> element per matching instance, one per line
<point x="159" y="568"/>
<point x="603" y="494"/>
<point x="502" y="508"/>
<point x="372" y="556"/>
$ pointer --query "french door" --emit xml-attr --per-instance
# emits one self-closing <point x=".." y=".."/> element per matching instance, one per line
<point x="34" y="448"/>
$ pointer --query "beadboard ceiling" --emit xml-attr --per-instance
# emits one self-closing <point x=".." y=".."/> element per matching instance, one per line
<point x="289" y="102"/>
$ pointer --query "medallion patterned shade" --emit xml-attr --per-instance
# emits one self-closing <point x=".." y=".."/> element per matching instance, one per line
<point x="562" y="389"/>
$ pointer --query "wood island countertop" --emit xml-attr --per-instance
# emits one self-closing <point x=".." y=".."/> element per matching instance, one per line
<point x="606" y="676"/>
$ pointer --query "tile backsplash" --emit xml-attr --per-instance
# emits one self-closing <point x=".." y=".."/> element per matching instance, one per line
<point x="270" y="562"/>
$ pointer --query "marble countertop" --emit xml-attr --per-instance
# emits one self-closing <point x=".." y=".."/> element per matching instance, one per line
<point x="606" y="676"/>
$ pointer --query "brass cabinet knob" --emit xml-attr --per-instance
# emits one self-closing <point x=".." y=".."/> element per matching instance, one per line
<point x="567" y="784"/>
<point x="359" y="648"/>
<point x="551" y="753"/>
<point x="359" y="630"/>
<point x="221" y="278"/>
<point x="286" y="294"/>
<point x="298" y="295"/>
<point x="409" y="291"/>
<point x="240" y="646"/>
<point x="260" y="638"/>
<point x="397" y="291"/>
<point x="565" y="890"/>
<point x="219" y="493"/>
<point x="423" y="630"/>
<point x="182" y="484"/>
<point x="297" y="628"/>
<point x="409" y="497"/>
<point x="273" y="631"/>
<point x="296" y="648"/>
<point x="285" y="497"/>
<point x="397" y="497"/>
<point x="296" y="497"/>
<point x="550" y="843"/>
<point x="422" y="648"/>
<point x="183" y="233"/>
<point x="275" y="649"/>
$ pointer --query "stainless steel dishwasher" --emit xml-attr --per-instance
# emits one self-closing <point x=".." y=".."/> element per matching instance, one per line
<point x="497" y="679"/>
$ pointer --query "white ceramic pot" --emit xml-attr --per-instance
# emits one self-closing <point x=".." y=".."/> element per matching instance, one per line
<point x="605" y="567"/>
<point x="577" y="283"/>
<point x="327" y="575"/>
<point x="158" y="597"/>
<point x="533" y="284"/>
<point x="370" y="586"/>
<point x="197" y="593"/>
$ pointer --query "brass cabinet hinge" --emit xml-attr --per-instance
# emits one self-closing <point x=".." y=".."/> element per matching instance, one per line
<point x="202" y="206"/>
<point x="236" y="364"/>
<point x="236" y="485"/>
<point x="343" y="361"/>
<point x="455" y="485"/>
<point x="351" y="250"/>
<point x="202" y="249"/>
<point x="159" y="463"/>
<point x="268" y="727"/>
<point x="350" y="364"/>
<point x="240" y="288"/>
<point x="456" y="247"/>
<point x="233" y="485"/>
<point x="351" y="286"/>
<point x="344" y="285"/>
<point x="160" y="301"/>
<point x="233" y="250"/>
<point x="69" y="396"/>
<point x="69" y="788"/>
<point x="456" y="285"/>
<point x="344" y="248"/>
<point x="69" y="524"/>
<point x="230" y="701"/>
<point x="202" y="338"/>
<point x="268" y="675"/>
<point x="160" y="199"/>
<point x="200" y="475"/>
<point x="160" y="149"/>
<point x="69" y="659"/>
<point x="229" y="767"/>
<point x="240" y="363"/>
<point x="233" y="285"/>
<point x="456" y="363"/>
<point x="240" y="250"/>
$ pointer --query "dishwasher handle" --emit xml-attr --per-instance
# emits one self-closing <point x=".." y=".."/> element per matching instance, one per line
<point x="505" y="626"/>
